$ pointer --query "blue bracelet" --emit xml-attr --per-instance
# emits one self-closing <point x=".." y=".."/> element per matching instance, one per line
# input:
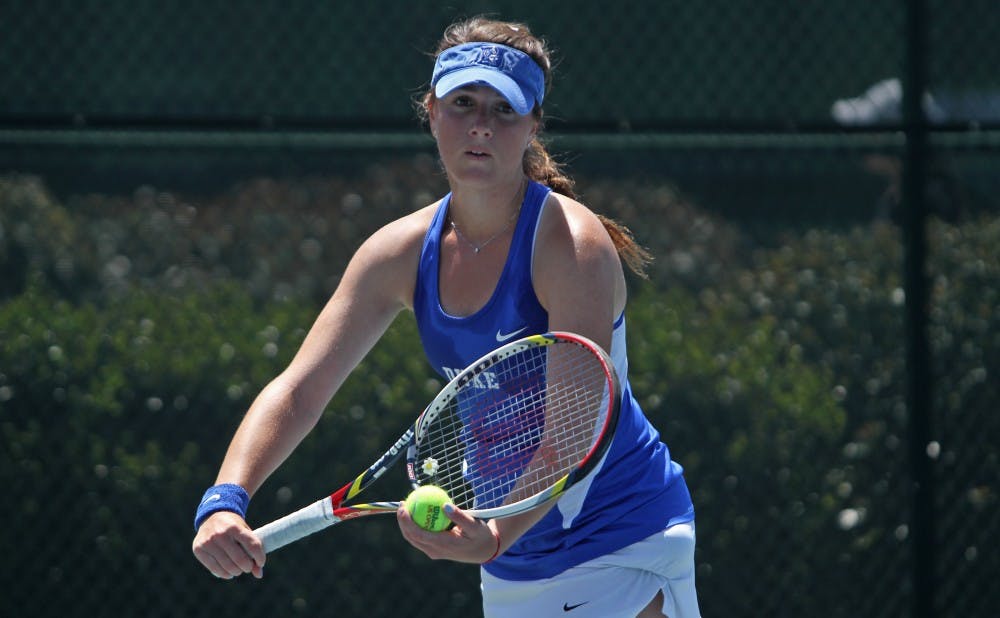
<point x="224" y="497"/>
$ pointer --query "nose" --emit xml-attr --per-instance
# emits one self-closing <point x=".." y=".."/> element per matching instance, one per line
<point x="482" y="124"/>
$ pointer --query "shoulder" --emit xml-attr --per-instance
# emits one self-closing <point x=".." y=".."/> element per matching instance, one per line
<point x="402" y="236"/>
<point x="389" y="257"/>
<point x="568" y="228"/>
<point x="576" y="270"/>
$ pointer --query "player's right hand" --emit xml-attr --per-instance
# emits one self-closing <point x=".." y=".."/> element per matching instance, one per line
<point x="226" y="546"/>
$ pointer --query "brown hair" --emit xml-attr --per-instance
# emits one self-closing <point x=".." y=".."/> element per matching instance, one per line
<point x="538" y="163"/>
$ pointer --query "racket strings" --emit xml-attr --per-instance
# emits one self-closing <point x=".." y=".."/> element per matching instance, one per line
<point x="516" y="428"/>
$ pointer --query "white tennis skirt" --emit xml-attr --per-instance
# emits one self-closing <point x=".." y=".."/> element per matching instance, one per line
<point x="617" y="585"/>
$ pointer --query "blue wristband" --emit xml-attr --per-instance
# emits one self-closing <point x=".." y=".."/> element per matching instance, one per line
<point x="224" y="497"/>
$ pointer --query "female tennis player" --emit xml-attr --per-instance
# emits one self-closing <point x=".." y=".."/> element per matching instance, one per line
<point x="508" y="252"/>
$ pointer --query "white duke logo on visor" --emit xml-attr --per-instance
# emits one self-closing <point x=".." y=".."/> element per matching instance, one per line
<point x="490" y="56"/>
<point x="494" y="57"/>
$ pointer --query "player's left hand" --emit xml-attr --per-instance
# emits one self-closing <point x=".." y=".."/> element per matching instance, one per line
<point x="470" y="540"/>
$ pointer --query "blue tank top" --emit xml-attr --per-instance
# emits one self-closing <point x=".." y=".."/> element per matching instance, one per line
<point x="637" y="489"/>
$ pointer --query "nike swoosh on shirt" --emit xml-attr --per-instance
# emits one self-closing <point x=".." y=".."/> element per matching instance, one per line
<point x="568" y="608"/>
<point x="501" y="336"/>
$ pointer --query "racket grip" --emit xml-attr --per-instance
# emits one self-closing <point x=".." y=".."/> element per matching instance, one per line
<point x="294" y="526"/>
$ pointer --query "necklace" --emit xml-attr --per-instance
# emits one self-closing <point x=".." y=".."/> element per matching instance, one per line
<point x="477" y="248"/>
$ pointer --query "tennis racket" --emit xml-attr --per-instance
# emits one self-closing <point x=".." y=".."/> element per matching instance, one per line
<point x="515" y="429"/>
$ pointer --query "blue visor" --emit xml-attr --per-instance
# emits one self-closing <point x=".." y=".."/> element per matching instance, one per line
<point x="509" y="71"/>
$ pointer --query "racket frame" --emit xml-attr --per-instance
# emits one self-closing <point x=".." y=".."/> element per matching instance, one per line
<point x="572" y="477"/>
<point x="331" y="509"/>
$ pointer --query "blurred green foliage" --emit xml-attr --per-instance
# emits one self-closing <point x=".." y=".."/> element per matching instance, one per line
<point x="136" y="331"/>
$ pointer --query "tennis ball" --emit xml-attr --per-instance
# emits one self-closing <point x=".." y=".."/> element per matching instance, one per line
<point x="424" y="504"/>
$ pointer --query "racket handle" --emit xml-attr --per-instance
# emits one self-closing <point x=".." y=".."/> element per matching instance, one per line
<point x="294" y="526"/>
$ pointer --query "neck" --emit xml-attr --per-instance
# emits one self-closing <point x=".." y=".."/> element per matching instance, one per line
<point x="481" y="213"/>
<point x="479" y="225"/>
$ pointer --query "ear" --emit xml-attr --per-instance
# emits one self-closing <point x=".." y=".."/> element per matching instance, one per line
<point x="533" y="133"/>
<point x="432" y="118"/>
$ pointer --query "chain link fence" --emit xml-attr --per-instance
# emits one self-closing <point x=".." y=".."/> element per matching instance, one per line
<point x="181" y="184"/>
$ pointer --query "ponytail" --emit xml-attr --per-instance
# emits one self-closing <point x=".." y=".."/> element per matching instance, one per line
<point x="635" y="256"/>
<point x="541" y="167"/>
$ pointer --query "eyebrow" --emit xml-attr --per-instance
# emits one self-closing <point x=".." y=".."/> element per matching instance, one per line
<point x="475" y="88"/>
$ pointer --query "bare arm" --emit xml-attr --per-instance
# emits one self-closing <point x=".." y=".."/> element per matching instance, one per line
<point x="579" y="280"/>
<point x="359" y="312"/>
<point x="578" y="276"/>
<point x="376" y="286"/>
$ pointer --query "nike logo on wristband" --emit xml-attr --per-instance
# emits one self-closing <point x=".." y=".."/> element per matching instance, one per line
<point x="501" y="336"/>
<point x="568" y="608"/>
<point x="211" y="498"/>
